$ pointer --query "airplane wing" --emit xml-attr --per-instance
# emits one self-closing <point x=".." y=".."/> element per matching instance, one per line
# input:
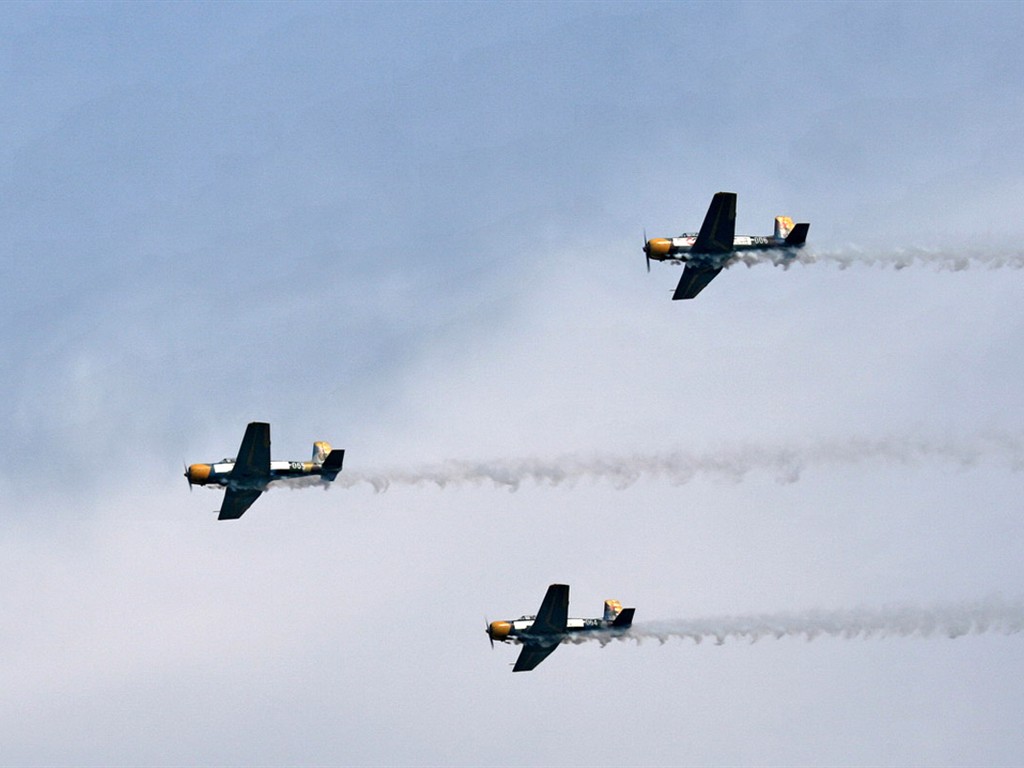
<point x="532" y="655"/>
<point x="719" y="228"/>
<point x="254" y="454"/>
<point x="553" y="614"/>
<point x="236" y="502"/>
<point x="694" y="280"/>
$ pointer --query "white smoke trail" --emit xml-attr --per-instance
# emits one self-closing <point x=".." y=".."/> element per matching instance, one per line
<point x="897" y="258"/>
<point x="951" y="620"/>
<point x="786" y="462"/>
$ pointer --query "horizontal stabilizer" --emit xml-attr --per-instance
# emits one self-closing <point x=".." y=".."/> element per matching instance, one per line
<point x="332" y="464"/>
<point x="694" y="280"/>
<point x="624" y="619"/>
<point x="799" y="234"/>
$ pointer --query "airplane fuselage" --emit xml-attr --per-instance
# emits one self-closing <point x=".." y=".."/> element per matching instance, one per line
<point x="518" y="630"/>
<point x="219" y="473"/>
<point x="680" y="249"/>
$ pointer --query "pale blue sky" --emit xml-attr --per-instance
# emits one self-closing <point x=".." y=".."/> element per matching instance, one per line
<point x="414" y="230"/>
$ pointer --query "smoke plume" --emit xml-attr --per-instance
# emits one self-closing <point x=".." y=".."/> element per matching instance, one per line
<point x="786" y="462"/>
<point x="897" y="258"/>
<point x="952" y="620"/>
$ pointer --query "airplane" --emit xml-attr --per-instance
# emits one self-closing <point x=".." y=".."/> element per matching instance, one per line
<point x="540" y="635"/>
<point x="246" y="477"/>
<point x="705" y="253"/>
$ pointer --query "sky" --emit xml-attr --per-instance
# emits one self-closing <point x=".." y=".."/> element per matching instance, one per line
<point x="415" y="230"/>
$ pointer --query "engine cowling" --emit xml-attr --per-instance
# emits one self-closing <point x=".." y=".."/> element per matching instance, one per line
<point x="198" y="474"/>
<point x="499" y="630"/>
<point x="658" y="248"/>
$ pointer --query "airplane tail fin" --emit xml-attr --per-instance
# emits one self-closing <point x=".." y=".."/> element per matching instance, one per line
<point x="331" y="465"/>
<point x="625" y="618"/>
<point x="799" y="234"/>
<point x="321" y="450"/>
<point x="617" y="615"/>
<point x="612" y="608"/>
<point x="783" y="226"/>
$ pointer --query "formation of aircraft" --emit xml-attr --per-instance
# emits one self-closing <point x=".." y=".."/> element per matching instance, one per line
<point x="705" y="253"/>
<point x="540" y="635"/>
<point x="244" y="478"/>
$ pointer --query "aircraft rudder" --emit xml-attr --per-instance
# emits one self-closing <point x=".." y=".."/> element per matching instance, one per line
<point x="612" y="608"/>
<point x="783" y="226"/>
<point x="321" y="449"/>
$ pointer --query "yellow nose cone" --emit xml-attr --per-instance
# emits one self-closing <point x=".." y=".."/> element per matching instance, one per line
<point x="659" y="246"/>
<point x="499" y="630"/>
<point x="198" y="473"/>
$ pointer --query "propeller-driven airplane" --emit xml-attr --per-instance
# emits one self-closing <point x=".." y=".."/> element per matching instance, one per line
<point x="541" y="634"/>
<point x="707" y="252"/>
<point x="247" y="476"/>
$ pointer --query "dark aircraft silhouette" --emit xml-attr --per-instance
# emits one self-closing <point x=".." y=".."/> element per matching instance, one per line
<point x="705" y="253"/>
<point x="540" y="635"/>
<point x="246" y="477"/>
